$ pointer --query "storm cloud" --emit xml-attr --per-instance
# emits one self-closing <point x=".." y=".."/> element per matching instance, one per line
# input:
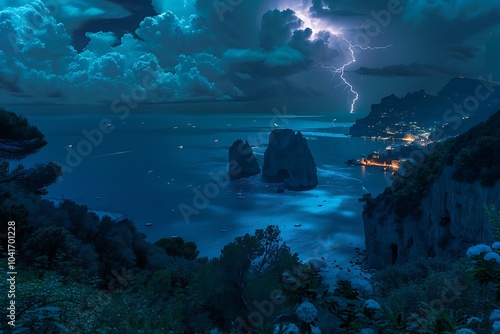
<point x="218" y="51"/>
<point x="189" y="61"/>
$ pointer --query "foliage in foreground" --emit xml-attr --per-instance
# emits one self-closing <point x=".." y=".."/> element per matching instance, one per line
<point x="82" y="274"/>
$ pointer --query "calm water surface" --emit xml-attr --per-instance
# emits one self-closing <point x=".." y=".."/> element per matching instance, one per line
<point x="152" y="162"/>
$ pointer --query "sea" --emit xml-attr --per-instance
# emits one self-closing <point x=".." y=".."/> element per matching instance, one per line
<point x="165" y="171"/>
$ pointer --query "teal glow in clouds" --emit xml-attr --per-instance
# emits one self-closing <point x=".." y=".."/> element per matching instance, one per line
<point x="421" y="10"/>
<point x="73" y="13"/>
<point x="181" y="8"/>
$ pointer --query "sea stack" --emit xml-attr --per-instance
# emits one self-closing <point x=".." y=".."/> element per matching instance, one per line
<point x="289" y="160"/>
<point x="242" y="161"/>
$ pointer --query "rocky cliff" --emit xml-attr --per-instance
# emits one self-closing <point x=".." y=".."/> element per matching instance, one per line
<point x="452" y="219"/>
<point x="439" y="210"/>
<point x="288" y="159"/>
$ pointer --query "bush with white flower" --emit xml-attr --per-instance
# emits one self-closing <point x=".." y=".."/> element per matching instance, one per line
<point x="306" y="312"/>
<point x="496" y="327"/>
<point x="372" y="305"/>
<point x="478" y="250"/>
<point x="495" y="315"/>
<point x="362" y="286"/>
<point x="486" y="266"/>
<point x="350" y="286"/>
<point x="492" y="256"/>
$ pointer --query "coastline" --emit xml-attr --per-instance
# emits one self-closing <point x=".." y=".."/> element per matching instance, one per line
<point x="150" y="180"/>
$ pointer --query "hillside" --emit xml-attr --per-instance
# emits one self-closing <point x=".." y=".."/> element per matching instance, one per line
<point x="459" y="105"/>
<point x="437" y="209"/>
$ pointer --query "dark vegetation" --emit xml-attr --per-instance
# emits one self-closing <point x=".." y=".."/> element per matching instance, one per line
<point x="18" y="138"/>
<point x="473" y="155"/>
<point x="78" y="273"/>
<point x="476" y="154"/>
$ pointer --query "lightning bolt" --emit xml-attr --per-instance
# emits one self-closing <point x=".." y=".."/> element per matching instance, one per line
<point x="364" y="48"/>
<point x="347" y="83"/>
<point x="318" y="25"/>
<point x="340" y="71"/>
<point x="351" y="60"/>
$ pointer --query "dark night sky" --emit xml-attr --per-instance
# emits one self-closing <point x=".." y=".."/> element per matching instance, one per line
<point x="84" y="51"/>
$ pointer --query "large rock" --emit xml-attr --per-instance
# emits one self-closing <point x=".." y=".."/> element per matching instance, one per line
<point x="242" y="161"/>
<point x="289" y="160"/>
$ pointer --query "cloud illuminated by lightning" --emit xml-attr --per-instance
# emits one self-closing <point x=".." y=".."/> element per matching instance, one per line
<point x="317" y="25"/>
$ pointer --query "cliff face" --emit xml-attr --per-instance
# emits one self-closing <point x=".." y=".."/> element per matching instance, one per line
<point x="452" y="219"/>
<point x="438" y="209"/>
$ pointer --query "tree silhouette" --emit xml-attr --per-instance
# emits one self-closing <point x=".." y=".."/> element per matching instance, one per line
<point x="18" y="138"/>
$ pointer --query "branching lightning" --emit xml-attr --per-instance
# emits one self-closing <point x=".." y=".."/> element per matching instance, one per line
<point x="349" y="61"/>
<point x="341" y="72"/>
<point x="372" y="47"/>
<point x="319" y="25"/>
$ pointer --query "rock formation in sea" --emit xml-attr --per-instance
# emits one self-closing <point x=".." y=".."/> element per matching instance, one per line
<point x="441" y="207"/>
<point x="242" y="161"/>
<point x="288" y="159"/>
